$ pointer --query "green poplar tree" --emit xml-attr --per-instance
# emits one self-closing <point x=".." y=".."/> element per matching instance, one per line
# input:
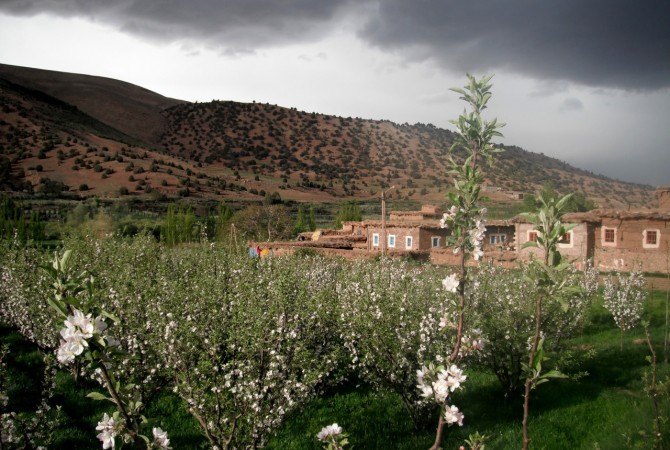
<point x="300" y="223"/>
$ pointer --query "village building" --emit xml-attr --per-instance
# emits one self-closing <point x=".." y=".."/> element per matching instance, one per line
<point x="629" y="240"/>
<point x="634" y="239"/>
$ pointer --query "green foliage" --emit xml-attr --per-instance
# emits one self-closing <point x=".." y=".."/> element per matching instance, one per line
<point x="474" y="133"/>
<point x="550" y="231"/>
<point x="311" y="219"/>
<point x="15" y="224"/>
<point x="264" y="222"/>
<point x="180" y="226"/>
<point x="300" y="221"/>
<point x="348" y="211"/>
<point x="223" y="312"/>
<point x="503" y="306"/>
<point x="576" y="203"/>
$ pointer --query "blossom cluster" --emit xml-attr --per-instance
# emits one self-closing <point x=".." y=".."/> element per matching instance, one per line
<point x="477" y="237"/>
<point x="449" y="217"/>
<point x="109" y="428"/>
<point x="437" y="383"/>
<point x="451" y="283"/>
<point x="79" y="328"/>
<point x="624" y="297"/>
<point x="329" y="431"/>
<point x="475" y="227"/>
<point x="333" y="437"/>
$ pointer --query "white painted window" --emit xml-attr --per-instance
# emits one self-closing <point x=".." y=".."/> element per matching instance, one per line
<point x="651" y="238"/>
<point x="408" y="242"/>
<point x="435" y="241"/>
<point x="391" y="241"/>
<point x="375" y="240"/>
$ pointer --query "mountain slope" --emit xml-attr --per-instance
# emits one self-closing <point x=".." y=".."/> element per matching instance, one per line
<point x="131" y="109"/>
<point x="123" y="136"/>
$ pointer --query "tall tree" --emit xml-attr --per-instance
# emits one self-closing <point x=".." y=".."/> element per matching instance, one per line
<point x="311" y="220"/>
<point x="349" y="211"/>
<point x="300" y="221"/>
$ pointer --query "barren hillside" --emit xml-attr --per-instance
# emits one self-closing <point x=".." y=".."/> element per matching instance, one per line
<point x="101" y="137"/>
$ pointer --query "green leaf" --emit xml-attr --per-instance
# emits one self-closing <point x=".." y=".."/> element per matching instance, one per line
<point x="98" y="396"/>
<point x="554" y="374"/>
<point x="60" y="308"/>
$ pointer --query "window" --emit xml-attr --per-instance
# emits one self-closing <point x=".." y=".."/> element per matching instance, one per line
<point x="392" y="240"/>
<point x="435" y="241"/>
<point x="608" y="237"/>
<point x="497" y="239"/>
<point x="651" y="238"/>
<point x="532" y="236"/>
<point x="375" y="240"/>
<point x="408" y="242"/>
<point x="567" y="240"/>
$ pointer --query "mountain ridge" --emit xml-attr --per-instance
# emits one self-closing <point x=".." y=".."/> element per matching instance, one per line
<point x="229" y="149"/>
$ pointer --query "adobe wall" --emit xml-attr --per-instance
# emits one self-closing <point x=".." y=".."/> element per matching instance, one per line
<point x="629" y="245"/>
<point x="663" y="194"/>
<point x="421" y="237"/>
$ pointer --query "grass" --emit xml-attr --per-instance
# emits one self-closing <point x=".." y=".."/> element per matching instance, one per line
<point x="604" y="410"/>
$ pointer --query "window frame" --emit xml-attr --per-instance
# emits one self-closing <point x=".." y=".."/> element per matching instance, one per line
<point x="657" y="238"/>
<point x="391" y="241"/>
<point x="409" y="242"/>
<point x="603" y="237"/>
<point x="375" y="239"/>
<point x="434" y="239"/>
<point x="497" y="238"/>
<point x="570" y="243"/>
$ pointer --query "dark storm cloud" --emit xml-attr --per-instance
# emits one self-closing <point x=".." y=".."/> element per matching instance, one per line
<point x="240" y="24"/>
<point x="605" y="43"/>
<point x="612" y="43"/>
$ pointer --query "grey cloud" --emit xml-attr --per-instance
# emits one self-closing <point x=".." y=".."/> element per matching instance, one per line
<point x="613" y="43"/>
<point x="601" y="43"/>
<point x="233" y="24"/>
<point x="547" y="88"/>
<point x="571" y="104"/>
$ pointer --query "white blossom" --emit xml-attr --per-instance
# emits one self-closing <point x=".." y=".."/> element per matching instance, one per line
<point x="161" y="438"/>
<point x="109" y="429"/>
<point x="451" y="283"/>
<point x="329" y="430"/>
<point x="453" y="415"/>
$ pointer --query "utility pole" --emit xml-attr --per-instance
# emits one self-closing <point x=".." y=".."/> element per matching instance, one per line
<point x="384" y="220"/>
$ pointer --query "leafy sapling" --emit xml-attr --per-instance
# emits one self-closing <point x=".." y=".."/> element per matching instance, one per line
<point x="86" y="338"/>
<point x="466" y="220"/>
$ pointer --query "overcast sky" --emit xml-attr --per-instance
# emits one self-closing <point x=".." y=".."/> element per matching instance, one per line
<point x="587" y="82"/>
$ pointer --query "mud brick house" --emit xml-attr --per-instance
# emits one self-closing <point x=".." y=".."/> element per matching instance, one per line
<point x="630" y="239"/>
<point x="415" y="234"/>
<point x="411" y="233"/>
